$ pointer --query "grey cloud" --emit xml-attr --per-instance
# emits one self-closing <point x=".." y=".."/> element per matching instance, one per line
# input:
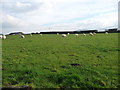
<point x="8" y="25"/>
<point x="11" y="7"/>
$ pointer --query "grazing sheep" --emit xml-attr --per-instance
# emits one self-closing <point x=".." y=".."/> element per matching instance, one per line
<point x="94" y="33"/>
<point x="64" y="35"/>
<point x="68" y="33"/>
<point x="40" y="34"/>
<point x="91" y="34"/>
<point x="76" y="34"/>
<point x="22" y="36"/>
<point x="57" y="33"/>
<point x="84" y="34"/>
<point x="106" y="32"/>
<point x="3" y="37"/>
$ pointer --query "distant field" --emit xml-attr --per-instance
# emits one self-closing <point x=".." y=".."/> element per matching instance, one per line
<point x="48" y="61"/>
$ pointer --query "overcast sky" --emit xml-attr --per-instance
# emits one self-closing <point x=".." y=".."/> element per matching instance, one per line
<point x="39" y="15"/>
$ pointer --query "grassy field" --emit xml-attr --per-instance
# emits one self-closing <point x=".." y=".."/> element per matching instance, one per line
<point x="47" y="61"/>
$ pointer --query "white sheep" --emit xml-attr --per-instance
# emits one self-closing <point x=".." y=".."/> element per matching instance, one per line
<point x="106" y="32"/>
<point x="91" y="34"/>
<point x="57" y="33"/>
<point x="0" y="36"/>
<point x="4" y="37"/>
<point x="22" y="36"/>
<point x="76" y="34"/>
<point x="64" y="35"/>
<point x="94" y="33"/>
<point x="40" y="34"/>
<point x="84" y="34"/>
<point x="68" y="33"/>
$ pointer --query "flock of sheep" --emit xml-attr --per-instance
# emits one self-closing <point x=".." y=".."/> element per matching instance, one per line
<point x="91" y="34"/>
<point x="2" y="37"/>
<point x="63" y="35"/>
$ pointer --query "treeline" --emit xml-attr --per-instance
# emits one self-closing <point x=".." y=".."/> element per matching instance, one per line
<point x="114" y="30"/>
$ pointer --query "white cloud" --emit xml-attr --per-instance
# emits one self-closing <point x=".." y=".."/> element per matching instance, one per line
<point x="102" y="21"/>
<point x="62" y="11"/>
<point x="13" y="21"/>
<point x="19" y="7"/>
<point x="19" y="4"/>
<point x="61" y="14"/>
<point x="108" y="20"/>
<point x="119" y="16"/>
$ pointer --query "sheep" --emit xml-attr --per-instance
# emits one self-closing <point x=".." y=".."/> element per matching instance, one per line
<point x="0" y="36"/>
<point x="57" y="33"/>
<point x="4" y="37"/>
<point x="84" y="34"/>
<point x="106" y="32"/>
<point x="22" y="36"/>
<point x="91" y="34"/>
<point x="94" y="33"/>
<point x="68" y="33"/>
<point x="64" y="35"/>
<point x="40" y="34"/>
<point x="76" y="34"/>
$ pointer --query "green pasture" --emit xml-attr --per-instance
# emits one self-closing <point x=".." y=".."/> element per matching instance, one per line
<point x="46" y="61"/>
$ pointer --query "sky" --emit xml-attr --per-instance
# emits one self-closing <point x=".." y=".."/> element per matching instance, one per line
<point x="57" y="15"/>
